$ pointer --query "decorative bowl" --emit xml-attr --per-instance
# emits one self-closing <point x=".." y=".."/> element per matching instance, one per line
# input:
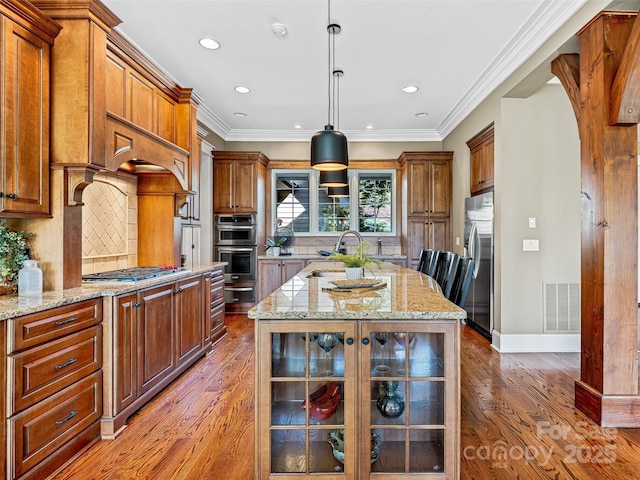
<point x="323" y="402"/>
<point x="336" y="440"/>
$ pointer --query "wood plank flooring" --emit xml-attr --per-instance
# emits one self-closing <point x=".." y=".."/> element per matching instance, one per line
<point x="518" y="422"/>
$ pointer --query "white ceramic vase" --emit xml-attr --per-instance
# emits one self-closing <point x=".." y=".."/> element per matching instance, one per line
<point x="275" y="251"/>
<point x="354" y="273"/>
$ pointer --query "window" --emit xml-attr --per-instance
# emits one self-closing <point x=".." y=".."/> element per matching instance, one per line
<point x="306" y="208"/>
<point x="374" y="203"/>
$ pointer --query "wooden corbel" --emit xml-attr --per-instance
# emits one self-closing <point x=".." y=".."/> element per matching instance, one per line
<point x="77" y="178"/>
<point x="625" y="90"/>
<point x="567" y="68"/>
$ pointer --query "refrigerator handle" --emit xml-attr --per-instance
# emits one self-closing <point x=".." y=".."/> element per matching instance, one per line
<point x="476" y="254"/>
<point x="472" y="239"/>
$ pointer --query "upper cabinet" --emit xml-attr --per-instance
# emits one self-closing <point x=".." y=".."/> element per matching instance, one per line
<point x="428" y="176"/>
<point x="481" y="147"/>
<point x="238" y="181"/>
<point x="25" y="55"/>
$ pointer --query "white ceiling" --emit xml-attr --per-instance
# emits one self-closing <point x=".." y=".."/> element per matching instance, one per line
<point x="455" y="51"/>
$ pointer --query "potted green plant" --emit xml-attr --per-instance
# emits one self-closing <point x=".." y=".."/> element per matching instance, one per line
<point x="13" y="253"/>
<point x="356" y="262"/>
<point x="275" y="244"/>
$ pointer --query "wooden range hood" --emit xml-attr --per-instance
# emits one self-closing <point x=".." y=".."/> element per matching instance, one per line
<point x="109" y="105"/>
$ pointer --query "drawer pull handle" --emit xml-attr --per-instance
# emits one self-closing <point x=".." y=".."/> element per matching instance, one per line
<point x="69" y="417"/>
<point x="64" y="322"/>
<point x="70" y="362"/>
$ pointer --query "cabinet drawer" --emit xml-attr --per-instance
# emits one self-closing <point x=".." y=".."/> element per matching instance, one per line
<point x="43" y="429"/>
<point x="41" y="327"/>
<point x="217" y="292"/>
<point x="42" y="371"/>
<point x="217" y="316"/>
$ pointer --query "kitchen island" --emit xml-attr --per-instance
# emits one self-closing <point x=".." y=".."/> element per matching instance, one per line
<point x="360" y="383"/>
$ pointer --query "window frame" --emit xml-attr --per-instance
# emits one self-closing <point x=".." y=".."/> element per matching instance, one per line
<point x="354" y="200"/>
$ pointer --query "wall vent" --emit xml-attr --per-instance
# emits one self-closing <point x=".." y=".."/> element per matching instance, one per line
<point x="561" y="307"/>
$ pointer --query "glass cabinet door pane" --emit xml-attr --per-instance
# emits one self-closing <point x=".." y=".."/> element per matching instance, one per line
<point x="288" y="451"/>
<point x="327" y="355"/>
<point x="387" y="450"/>
<point x="426" y="451"/>
<point x="427" y="403"/>
<point x="287" y="403"/>
<point x="427" y="359"/>
<point x="326" y="456"/>
<point x="288" y="355"/>
<point x="388" y="402"/>
<point x="325" y="403"/>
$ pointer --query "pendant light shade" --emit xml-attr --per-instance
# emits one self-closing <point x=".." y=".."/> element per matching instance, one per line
<point x="329" y="150"/>
<point x="329" y="146"/>
<point x="334" y="178"/>
<point x="337" y="192"/>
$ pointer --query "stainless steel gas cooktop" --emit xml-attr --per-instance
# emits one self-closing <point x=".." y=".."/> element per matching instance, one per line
<point x="130" y="274"/>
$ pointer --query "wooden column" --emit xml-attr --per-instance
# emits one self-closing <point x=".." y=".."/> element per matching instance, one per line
<point x="608" y="387"/>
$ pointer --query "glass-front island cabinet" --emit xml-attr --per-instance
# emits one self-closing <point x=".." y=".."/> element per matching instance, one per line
<point x="357" y="384"/>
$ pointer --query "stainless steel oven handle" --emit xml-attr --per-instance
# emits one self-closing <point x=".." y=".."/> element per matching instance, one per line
<point x="239" y="289"/>
<point x="231" y="228"/>
<point x="235" y="249"/>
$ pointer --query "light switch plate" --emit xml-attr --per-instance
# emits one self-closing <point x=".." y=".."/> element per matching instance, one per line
<point x="530" y="245"/>
<point x="532" y="222"/>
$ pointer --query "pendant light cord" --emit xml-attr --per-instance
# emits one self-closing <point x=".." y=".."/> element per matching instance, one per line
<point x="329" y="111"/>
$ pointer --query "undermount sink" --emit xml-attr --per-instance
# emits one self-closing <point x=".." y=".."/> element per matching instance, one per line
<point x="327" y="273"/>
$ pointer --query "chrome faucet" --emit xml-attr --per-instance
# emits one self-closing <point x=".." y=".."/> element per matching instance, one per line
<point x="342" y="235"/>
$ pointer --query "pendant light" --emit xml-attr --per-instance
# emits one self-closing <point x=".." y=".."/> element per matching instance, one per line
<point x="329" y="146"/>
<point x="337" y="192"/>
<point x="334" y="178"/>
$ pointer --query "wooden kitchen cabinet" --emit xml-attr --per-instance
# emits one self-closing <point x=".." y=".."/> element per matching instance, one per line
<point x="432" y="232"/>
<point x="397" y="402"/>
<point x="238" y="181"/>
<point x="25" y="57"/>
<point x="481" y="149"/>
<point x="217" y="327"/>
<point x="54" y="401"/>
<point x="273" y="273"/>
<point x="157" y="333"/>
<point x="427" y="181"/>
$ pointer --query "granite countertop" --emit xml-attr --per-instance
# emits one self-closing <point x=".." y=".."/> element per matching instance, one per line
<point x="408" y="295"/>
<point x="14" y="306"/>
<point x="315" y="256"/>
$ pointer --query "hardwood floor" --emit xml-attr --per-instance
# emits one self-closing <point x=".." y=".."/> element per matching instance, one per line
<point x="518" y="422"/>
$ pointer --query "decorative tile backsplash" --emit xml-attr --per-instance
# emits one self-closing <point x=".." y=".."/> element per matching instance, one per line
<point x="110" y="223"/>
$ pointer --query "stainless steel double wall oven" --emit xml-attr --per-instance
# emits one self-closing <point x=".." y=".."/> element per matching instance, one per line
<point x="235" y="242"/>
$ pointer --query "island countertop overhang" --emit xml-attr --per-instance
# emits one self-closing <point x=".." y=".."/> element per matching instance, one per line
<point x="408" y="295"/>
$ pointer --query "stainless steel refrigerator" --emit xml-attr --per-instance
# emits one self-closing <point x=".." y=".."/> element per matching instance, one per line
<point x="478" y="244"/>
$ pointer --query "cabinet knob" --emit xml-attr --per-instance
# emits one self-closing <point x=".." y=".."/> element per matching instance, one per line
<point x="365" y="341"/>
<point x="137" y="304"/>
<point x="1" y="194"/>
<point x="12" y="196"/>
<point x="349" y="341"/>
<point x="177" y="290"/>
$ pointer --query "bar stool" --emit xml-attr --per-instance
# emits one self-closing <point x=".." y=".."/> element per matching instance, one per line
<point x="427" y="261"/>
<point x="445" y="269"/>
<point x="461" y="281"/>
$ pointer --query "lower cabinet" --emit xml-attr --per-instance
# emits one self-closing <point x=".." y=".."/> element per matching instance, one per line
<point x="426" y="232"/>
<point x="273" y="273"/>
<point x="357" y="399"/>
<point x="54" y="398"/>
<point x="217" y="327"/>
<point x="156" y="333"/>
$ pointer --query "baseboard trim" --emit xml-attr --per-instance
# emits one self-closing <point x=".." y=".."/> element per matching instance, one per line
<point x="533" y="343"/>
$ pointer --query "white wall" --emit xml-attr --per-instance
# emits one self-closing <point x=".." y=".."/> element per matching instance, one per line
<point x="541" y="172"/>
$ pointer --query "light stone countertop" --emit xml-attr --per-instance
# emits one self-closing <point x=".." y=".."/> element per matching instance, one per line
<point x="321" y="258"/>
<point x="408" y="295"/>
<point x="12" y="306"/>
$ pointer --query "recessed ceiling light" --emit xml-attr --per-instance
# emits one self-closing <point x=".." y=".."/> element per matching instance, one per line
<point x="369" y="127"/>
<point x="279" y="29"/>
<point x="421" y="114"/>
<point x="209" y="43"/>
<point x="297" y="126"/>
<point x="241" y="89"/>
<point x="240" y="114"/>
<point x="410" y="89"/>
